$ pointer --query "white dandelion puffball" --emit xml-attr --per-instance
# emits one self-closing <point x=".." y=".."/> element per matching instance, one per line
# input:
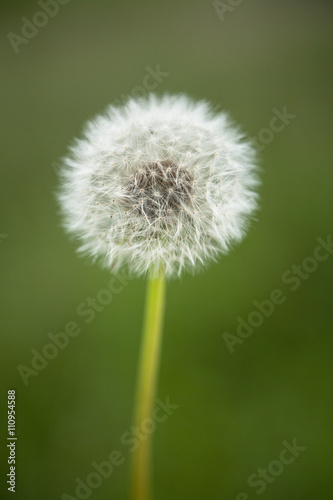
<point x="160" y="182"/>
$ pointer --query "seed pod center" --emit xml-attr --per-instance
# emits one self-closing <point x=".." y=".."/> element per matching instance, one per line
<point x="159" y="189"/>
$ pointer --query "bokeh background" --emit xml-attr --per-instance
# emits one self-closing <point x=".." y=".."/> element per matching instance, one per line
<point x="235" y="409"/>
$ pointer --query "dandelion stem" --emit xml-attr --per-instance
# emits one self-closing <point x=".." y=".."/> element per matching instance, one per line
<point x="141" y="488"/>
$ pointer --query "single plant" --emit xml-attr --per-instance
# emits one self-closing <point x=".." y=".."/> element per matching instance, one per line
<point x="160" y="185"/>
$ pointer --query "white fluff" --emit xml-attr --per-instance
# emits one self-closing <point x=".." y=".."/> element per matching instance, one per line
<point x="159" y="182"/>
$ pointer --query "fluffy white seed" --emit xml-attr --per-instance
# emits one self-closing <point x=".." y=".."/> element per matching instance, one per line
<point x="158" y="182"/>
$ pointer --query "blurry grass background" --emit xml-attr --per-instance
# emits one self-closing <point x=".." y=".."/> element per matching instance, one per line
<point x="234" y="409"/>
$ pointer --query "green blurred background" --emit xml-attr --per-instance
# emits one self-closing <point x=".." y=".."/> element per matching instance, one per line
<point x="235" y="410"/>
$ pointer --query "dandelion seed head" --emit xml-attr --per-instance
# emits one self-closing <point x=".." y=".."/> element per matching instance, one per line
<point x="171" y="183"/>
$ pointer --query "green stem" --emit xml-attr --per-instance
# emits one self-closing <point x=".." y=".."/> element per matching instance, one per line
<point x="141" y="488"/>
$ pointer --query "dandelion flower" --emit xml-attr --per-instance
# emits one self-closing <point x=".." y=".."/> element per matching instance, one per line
<point x="158" y="183"/>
